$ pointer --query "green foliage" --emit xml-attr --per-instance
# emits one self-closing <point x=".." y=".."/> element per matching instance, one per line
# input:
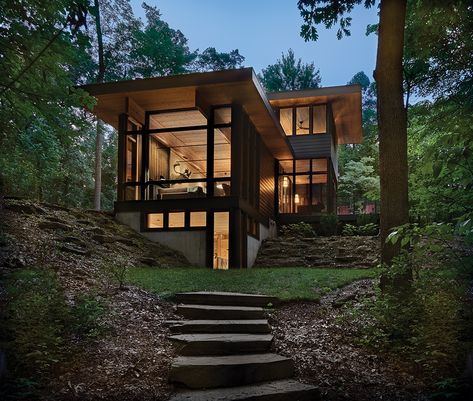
<point x="115" y="271"/>
<point x="315" y="12"/>
<point x="211" y="60"/>
<point x="328" y="224"/>
<point x="358" y="182"/>
<point x="289" y="74"/>
<point x="302" y="229"/>
<point x="369" y="229"/>
<point x="37" y="326"/>
<point x="428" y="322"/>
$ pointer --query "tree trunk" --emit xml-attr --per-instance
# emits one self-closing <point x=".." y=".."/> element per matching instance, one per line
<point x="392" y="122"/>
<point x="99" y="136"/>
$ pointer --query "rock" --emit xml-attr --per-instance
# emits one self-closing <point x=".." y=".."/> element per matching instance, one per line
<point x="54" y="225"/>
<point x="73" y="240"/>
<point x="75" y="250"/>
<point x="103" y="239"/>
<point x="24" y="208"/>
<point x="85" y="222"/>
<point x="124" y="241"/>
<point x="95" y="230"/>
<point x="148" y="261"/>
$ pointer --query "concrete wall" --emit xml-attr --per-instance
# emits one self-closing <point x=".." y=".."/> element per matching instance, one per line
<point x="190" y="243"/>
<point x="254" y="244"/>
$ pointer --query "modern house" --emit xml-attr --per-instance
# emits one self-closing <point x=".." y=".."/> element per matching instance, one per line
<point x="209" y="164"/>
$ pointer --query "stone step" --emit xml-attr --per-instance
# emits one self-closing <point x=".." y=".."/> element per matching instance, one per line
<point x="221" y="344"/>
<point x="225" y="298"/>
<point x="220" y="312"/>
<point x="228" y="371"/>
<point x="282" y="390"/>
<point x="220" y="326"/>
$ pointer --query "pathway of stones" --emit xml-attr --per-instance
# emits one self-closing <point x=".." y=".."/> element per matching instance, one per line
<point x="223" y="347"/>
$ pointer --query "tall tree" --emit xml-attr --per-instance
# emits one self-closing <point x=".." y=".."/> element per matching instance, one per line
<point x="212" y="60"/>
<point x="392" y="120"/>
<point x="289" y="74"/>
<point x="100" y="128"/>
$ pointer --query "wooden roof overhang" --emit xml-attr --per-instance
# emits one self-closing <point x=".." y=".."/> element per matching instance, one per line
<point x="200" y="90"/>
<point x="346" y="107"/>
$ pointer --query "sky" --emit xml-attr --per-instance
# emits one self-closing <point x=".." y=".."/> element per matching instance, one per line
<point x="262" y="29"/>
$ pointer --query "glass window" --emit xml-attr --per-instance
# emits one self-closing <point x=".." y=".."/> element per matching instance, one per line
<point x="198" y="219"/>
<point x="319" y="179"/>
<point x="302" y="121"/>
<point x="174" y="119"/>
<point x="320" y="119"/>
<point x="177" y="219"/>
<point x="223" y="115"/>
<point x="319" y="165"/>
<point x="319" y="196"/>
<point x="303" y="166"/>
<point x="155" y="220"/>
<point x="302" y="194"/>
<point x="221" y="238"/>
<point x="286" y="200"/>
<point x="222" y="152"/>
<point x="286" y="166"/>
<point x="222" y="188"/>
<point x="285" y="118"/>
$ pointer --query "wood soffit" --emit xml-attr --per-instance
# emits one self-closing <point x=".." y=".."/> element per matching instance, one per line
<point x="201" y="90"/>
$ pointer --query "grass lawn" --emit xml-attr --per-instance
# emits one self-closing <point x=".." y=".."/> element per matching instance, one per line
<point x="286" y="283"/>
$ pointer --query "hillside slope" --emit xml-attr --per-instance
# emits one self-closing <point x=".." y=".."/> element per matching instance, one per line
<point x="59" y="291"/>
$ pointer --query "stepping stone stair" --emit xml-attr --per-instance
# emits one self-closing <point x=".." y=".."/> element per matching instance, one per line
<point x="224" y="355"/>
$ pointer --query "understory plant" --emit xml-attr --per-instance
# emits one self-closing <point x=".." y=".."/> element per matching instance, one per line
<point x="328" y="224"/>
<point x="429" y="321"/>
<point x="40" y="329"/>
<point x="303" y="230"/>
<point x="369" y="229"/>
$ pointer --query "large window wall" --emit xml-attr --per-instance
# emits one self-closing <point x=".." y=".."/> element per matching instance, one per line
<point x="304" y="120"/>
<point x="305" y="186"/>
<point x="178" y="154"/>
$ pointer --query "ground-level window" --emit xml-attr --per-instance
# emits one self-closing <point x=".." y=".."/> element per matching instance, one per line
<point x="221" y="240"/>
<point x="198" y="219"/>
<point x="155" y="220"/>
<point x="177" y="220"/>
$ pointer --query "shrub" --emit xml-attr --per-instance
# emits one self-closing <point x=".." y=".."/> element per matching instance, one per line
<point x="363" y="219"/>
<point x="116" y="271"/>
<point x="37" y="325"/>
<point x="367" y="229"/>
<point x="427" y="322"/>
<point x="303" y="230"/>
<point x="328" y="224"/>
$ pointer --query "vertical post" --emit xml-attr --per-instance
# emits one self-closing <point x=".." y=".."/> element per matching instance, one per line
<point x="209" y="240"/>
<point x="210" y="154"/>
<point x="236" y="149"/>
<point x="144" y="157"/>
<point x="121" y="162"/>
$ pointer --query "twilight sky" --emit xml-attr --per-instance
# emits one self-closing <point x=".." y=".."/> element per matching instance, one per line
<point x="262" y="29"/>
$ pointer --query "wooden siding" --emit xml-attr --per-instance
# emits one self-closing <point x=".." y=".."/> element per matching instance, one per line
<point x="311" y="146"/>
<point x="267" y="190"/>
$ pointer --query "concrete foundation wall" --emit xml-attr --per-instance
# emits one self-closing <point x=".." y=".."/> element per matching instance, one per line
<point x="254" y="244"/>
<point x="190" y="243"/>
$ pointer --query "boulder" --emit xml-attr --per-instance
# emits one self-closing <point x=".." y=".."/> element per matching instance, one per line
<point x="54" y="225"/>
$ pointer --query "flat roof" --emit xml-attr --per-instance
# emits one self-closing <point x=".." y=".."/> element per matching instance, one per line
<point x="201" y="90"/>
<point x="194" y="90"/>
<point x="346" y="107"/>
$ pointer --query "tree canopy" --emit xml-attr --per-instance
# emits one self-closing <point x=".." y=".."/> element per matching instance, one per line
<point x="289" y="74"/>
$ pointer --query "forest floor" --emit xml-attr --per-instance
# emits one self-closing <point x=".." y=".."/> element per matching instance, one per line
<point x="130" y="360"/>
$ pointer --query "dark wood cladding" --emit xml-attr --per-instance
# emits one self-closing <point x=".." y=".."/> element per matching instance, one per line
<point x="311" y="146"/>
<point x="267" y="188"/>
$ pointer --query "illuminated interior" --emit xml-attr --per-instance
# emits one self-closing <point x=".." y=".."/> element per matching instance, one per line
<point x="302" y="186"/>
<point x="221" y="237"/>
<point x="304" y="120"/>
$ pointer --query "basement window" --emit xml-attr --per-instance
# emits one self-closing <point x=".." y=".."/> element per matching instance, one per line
<point x="155" y="220"/>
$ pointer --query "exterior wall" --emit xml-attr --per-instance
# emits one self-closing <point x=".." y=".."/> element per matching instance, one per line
<point x="190" y="243"/>
<point x="254" y="244"/>
<point x="311" y="146"/>
<point x="267" y="189"/>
